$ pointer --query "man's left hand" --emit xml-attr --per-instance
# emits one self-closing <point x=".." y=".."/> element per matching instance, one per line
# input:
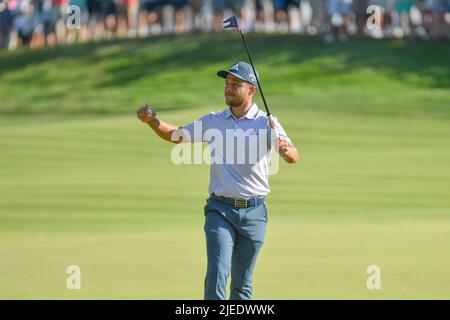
<point x="287" y="150"/>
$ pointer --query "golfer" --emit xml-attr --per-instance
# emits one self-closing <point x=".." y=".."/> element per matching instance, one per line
<point x="235" y="212"/>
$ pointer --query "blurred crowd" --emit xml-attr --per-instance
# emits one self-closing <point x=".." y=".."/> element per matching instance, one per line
<point x="35" y="23"/>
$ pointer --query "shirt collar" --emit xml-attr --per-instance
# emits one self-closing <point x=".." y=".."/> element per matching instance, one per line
<point x="251" y="113"/>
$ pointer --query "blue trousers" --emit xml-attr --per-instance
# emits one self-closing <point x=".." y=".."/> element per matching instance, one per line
<point x="234" y="237"/>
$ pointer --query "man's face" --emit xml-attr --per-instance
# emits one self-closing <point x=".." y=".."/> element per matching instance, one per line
<point x="237" y="91"/>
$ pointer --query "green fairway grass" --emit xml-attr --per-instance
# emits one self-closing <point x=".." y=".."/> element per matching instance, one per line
<point x="83" y="182"/>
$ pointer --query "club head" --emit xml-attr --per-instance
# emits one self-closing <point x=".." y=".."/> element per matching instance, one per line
<point x="231" y="22"/>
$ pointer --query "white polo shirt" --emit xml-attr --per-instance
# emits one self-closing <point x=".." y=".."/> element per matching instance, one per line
<point x="240" y="151"/>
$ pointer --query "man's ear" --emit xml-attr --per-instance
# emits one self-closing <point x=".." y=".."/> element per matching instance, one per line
<point x="252" y="90"/>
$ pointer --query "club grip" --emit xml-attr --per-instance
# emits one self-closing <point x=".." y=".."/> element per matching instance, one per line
<point x="272" y="125"/>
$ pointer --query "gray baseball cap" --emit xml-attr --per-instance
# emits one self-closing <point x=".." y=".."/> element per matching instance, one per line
<point x="241" y="70"/>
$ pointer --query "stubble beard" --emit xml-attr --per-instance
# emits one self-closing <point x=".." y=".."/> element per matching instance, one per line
<point x="232" y="102"/>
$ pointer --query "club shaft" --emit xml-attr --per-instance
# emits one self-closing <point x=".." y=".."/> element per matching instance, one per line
<point x="256" y="75"/>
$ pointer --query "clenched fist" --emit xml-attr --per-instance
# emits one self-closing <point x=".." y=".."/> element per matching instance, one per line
<point x="283" y="146"/>
<point x="146" y="114"/>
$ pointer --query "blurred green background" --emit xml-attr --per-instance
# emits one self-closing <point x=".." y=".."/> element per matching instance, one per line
<point x="83" y="182"/>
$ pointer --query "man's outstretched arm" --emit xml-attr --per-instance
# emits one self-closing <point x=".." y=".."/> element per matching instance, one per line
<point x="163" y="129"/>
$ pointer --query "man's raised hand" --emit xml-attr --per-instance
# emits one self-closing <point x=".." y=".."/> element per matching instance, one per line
<point x="146" y="114"/>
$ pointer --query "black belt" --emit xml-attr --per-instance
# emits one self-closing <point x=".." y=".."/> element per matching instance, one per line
<point x="239" y="203"/>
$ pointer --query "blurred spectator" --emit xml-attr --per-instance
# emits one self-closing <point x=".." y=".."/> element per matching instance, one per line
<point x="400" y="18"/>
<point x="195" y="12"/>
<point x="260" y="17"/>
<point x="360" y="10"/>
<point x="131" y="13"/>
<point x="35" y="23"/>
<point x="6" y="24"/>
<point x="305" y="16"/>
<point x="318" y="16"/>
<point x="81" y="34"/>
<point x="281" y="14"/>
<point x="25" y="23"/>
<point x="58" y="13"/>
<point x="44" y="33"/>
<point x="150" y="17"/>
<point x="110" y="15"/>
<point x="337" y="12"/>
<point x="179" y="6"/>
<point x="290" y="15"/>
<point x="437" y="18"/>
<point x="387" y="7"/>
<point x="219" y="7"/>
<point x="95" y="25"/>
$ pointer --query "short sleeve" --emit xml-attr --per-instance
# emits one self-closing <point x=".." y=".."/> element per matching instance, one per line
<point x="280" y="131"/>
<point x="194" y="132"/>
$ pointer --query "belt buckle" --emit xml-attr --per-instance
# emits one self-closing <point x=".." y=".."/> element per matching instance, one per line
<point x="240" y="203"/>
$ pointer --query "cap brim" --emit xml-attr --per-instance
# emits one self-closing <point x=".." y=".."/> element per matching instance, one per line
<point x="223" y="74"/>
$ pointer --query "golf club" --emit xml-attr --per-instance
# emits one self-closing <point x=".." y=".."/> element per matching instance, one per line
<point x="232" y="22"/>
